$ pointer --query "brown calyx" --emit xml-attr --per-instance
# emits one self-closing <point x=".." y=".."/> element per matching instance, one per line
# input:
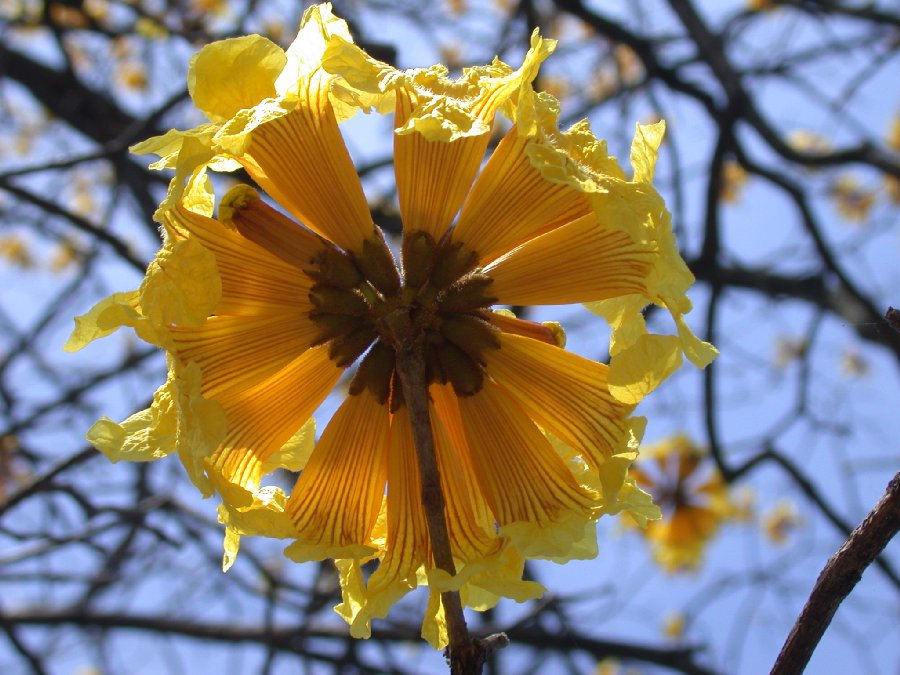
<point x="362" y="305"/>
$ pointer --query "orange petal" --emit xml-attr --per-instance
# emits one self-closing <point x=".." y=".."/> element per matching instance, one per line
<point x="263" y="417"/>
<point x="407" y="545"/>
<point x="520" y="475"/>
<point x="239" y="351"/>
<point x="469" y="520"/>
<point x="433" y="177"/>
<point x="301" y="161"/>
<point x="564" y="393"/>
<point x="338" y="495"/>
<point x="577" y="262"/>
<point x="253" y="280"/>
<point x="511" y="202"/>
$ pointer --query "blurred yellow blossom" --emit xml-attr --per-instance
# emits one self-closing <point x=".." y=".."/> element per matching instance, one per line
<point x="788" y="350"/>
<point x="853" y="202"/>
<point x="733" y="179"/>
<point x="853" y="364"/>
<point x="804" y="140"/>
<point x="893" y="137"/>
<point x="695" y="501"/>
<point x="674" y="625"/>
<point x="629" y="65"/>
<point x="780" y="522"/>
<point x="14" y="250"/>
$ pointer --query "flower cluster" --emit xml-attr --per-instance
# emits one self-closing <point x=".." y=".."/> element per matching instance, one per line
<point x="261" y="310"/>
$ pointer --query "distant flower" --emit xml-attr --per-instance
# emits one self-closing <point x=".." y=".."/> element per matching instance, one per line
<point x="852" y="201"/>
<point x="14" y="250"/>
<point x="804" y="140"/>
<point x="694" y="500"/>
<point x="673" y="625"/>
<point x="261" y="315"/>
<point x="780" y="522"/>
<point x="788" y="350"/>
<point x="733" y="179"/>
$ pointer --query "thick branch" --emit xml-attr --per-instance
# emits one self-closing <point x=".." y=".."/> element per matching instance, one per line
<point x="840" y="575"/>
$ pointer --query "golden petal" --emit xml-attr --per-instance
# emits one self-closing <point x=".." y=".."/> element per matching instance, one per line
<point x="520" y="475"/>
<point x="301" y="161"/>
<point x="253" y="280"/>
<point x="235" y="352"/>
<point x="433" y="176"/>
<point x="263" y="417"/>
<point x="577" y="262"/>
<point x="338" y="495"/>
<point x="512" y="202"/>
<point x="564" y="393"/>
<point x="269" y="228"/>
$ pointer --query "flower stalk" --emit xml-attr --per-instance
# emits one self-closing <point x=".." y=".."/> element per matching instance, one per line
<point x="465" y="654"/>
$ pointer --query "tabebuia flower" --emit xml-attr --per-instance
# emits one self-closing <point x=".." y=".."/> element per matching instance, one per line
<point x="263" y="298"/>
<point x="694" y="498"/>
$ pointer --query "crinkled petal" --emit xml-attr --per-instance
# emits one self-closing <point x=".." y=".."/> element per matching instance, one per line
<point x="110" y="314"/>
<point x="145" y="436"/>
<point x="229" y="75"/>
<point x="182" y="285"/>
<point x="637" y="371"/>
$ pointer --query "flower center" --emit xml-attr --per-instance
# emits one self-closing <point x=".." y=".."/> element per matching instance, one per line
<point x="439" y="306"/>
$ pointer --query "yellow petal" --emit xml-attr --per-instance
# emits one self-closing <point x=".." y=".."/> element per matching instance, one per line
<point x="182" y="285"/>
<point x="531" y="492"/>
<point x="469" y="521"/>
<point x="407" y="546"/>
<point x="107" y="316"/>
<point x="263" y="417"/>
<point x="253" y="280"/>
<point x="294" y="454"/>
<point x="338" y="495"/>
<point x="578" y="262"/>
<point x="645" y="149"/>
<point x="305" y="54"/>
<point x="301" y="161"/>
<point x="229" y="75"/>
<point x="201" y="422"/>
<point x="512" y="202"/>
<point x="565" y="394"/>
<point x="145" y="436"/>
<point x="264" y="516"/>
<point x="433" y="175"/>
<point x="641" y="368"/>
<point x="236" y="352"/>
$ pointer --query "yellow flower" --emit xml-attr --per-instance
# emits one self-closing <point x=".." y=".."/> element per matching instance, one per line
<point x="692" y="495"/>
<point x="15" y="250"/>
<point x="261" y="313"/>
<point x="733" y="179"/>
<point x="852" y="201"/>
<point x="780" y="522"/>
